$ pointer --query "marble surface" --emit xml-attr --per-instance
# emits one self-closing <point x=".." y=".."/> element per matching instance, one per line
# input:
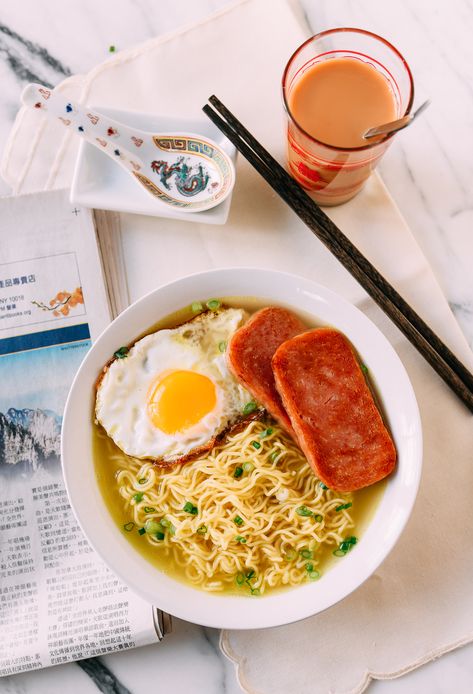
<point x="428" y="172"/>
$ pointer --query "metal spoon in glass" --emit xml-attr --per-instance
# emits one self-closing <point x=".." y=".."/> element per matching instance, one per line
<point x="395" y="125"/>
<point x="187" y="171"/>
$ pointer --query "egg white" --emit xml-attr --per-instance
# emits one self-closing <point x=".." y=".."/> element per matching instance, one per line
<point x="122" y="394"/>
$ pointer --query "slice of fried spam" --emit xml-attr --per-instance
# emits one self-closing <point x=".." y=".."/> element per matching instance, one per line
<point x="250" y="352"/>
<point x="332" y="410"/>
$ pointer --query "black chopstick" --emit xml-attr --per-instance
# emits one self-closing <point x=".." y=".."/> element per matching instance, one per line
<point x="447" y="365"/>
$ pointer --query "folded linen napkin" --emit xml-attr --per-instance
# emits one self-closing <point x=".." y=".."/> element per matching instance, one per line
<point x="419" y="604"/>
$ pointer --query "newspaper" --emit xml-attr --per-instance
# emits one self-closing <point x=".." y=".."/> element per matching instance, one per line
<point x="58" y="600"/>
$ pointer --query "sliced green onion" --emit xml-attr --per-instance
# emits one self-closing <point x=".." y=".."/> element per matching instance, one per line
<point x="129" y="526"/>
<point x="160" y="535"/>
<point x="152" y="526"/>
<point x="222" y="346"/>
<point x="304" y="511"/>
<point x="213" y="304"/>
<point x="274" y="455"/>
<point x="149" y="509"/>
<point x="250" y="407"/>
<point x="238" y="472"/>
<point x="240" y="539"/>
<point x="190" y="508"/>
<point x="166" y="523"/>
<point x="306" y="554"/>
<point x="364" y="368"/>
<point x="255" y="591"/>
<point x="339" y="553"/>
<point x="142" y="480"/>
<point x="324" y="486"/>
<point x="141" y="531"/>
<point x="345" y="546"/>
<point x="248" y="467"/>
<point x="238" y="520"/>
<point x="111" y="49"/>
<point x="202" y="529"/>
<point x="256" y="445"/>
<point x="342" y="507"/>
<point x="309" y="567"/>
<point x="314" y="575"/>
<point x="266" y="432"/>
<point x="251" y="574"/>
<point x="240" y="579"/>
<point x="121" y="353"/>
<point x="137" y="497"/>
<point x="290" y="555"/>
<point x="318" y="517"/>
<point x="196" y="307"/>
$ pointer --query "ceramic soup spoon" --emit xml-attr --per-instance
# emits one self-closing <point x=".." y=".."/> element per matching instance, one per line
<point x="186" y="171"/>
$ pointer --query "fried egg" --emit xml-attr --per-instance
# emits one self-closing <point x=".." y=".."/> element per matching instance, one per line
<point x="172" y="394"/>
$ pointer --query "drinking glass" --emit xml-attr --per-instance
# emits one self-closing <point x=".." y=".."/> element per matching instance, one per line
<point x="332" y="175"/>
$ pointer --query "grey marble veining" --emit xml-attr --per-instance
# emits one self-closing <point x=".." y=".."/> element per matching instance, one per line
<point x="428" y="170"/>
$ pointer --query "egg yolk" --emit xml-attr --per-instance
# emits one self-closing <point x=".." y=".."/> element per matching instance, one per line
<point x="179" y="399"/>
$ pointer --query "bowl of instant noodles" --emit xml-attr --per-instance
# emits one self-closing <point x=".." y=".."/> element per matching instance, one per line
<point x="213" y="495"/>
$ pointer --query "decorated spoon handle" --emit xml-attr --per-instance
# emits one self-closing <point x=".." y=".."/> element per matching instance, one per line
<point x="115" y="139"/>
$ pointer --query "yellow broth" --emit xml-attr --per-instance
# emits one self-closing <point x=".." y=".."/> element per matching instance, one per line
<point x="109" y="459"/>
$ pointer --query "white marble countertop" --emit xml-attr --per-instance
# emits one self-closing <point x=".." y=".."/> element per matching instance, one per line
<point x="429" y="172"/>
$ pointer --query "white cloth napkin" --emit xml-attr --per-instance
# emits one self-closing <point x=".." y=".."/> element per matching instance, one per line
<point x="419" y="604"/>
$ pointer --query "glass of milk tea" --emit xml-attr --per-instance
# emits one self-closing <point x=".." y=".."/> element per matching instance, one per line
<point x="336" y="86"/>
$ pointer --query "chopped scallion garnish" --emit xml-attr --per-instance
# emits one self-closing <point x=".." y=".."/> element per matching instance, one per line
<point x="364" y="368"/>
<point x="196" y="307"/>
<point x="142" y="480"/>
<point x="121" y="353"/>
<point x="256" y="445"/>
<point x="240" y="539"/>
<point x="318" y="518"/>
<point x="255" y="591"/>
<point x="248" y="466"/>
<point x="213" y="304"/>
<point x="324" y="486"/>
<point x="202" y="529"/>
<point x="290" y="555"/>
<point x="129" y="526"/>
<point x="251" y="574"/>
<point x="250" y="407"/>
<point x="240" y="579"/>
<point x="149" y="509"/>
<point x="266" y="432"/>
<point x="238" y="472"/>
<point x="137" y="497"/>
<point x="152" y="527"/>
<point x="190" y="508"/>
<point x="345" y="546"/>
<point x="306" y="553"/>
<point x="304" y="511"/>
<point x="309" y="567"/>
<point x="160" y="535"/>
<point x="238" y="520"/>
<point x="274" y="455"/>
<point x="141" y="531"/>
<point x="222" y="346"/>
<point x="314" y="575"/>
<point x="343" y="507"/>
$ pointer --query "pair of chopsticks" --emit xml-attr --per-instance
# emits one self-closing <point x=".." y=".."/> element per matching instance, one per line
<point x="430" y="346"/>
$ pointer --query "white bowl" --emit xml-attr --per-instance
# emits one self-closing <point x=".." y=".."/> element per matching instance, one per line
<point x="228" y="611"/>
